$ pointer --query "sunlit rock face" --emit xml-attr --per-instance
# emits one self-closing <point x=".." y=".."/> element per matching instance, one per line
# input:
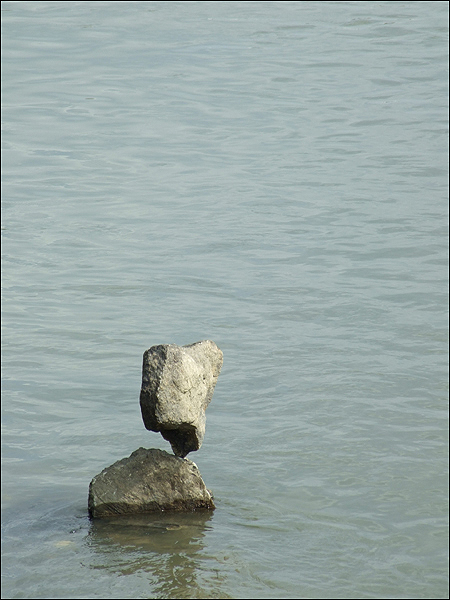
<point x="177" y="385"/>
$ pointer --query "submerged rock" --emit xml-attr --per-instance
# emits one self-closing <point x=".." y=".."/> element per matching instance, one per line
<point x="177" y="385"/>
<point x="148" y="481"/>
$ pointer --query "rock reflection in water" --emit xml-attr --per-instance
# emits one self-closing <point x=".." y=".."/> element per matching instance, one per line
<point x="165" y="547"/>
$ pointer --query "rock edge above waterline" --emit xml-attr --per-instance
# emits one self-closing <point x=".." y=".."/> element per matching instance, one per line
<point x="149" y="480"/>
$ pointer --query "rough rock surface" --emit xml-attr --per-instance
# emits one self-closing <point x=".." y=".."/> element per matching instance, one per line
<point x="147" y="481"/>
<point x="177" y="385"/>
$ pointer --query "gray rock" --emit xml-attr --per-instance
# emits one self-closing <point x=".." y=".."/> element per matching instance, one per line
<point x="177" y="385"/>
<point x="148" y="481"/>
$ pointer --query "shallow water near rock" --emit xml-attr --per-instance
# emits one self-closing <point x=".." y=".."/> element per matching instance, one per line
<point x="270" y="176"/>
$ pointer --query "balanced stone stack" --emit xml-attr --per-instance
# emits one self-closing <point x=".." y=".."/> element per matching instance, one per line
<point x="177" y="385"/>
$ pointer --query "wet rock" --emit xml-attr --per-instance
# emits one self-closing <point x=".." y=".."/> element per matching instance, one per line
<point x="177" y="385"/>
<point x="148" y="481"/>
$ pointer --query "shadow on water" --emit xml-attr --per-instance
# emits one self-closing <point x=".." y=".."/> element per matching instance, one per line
<point x="166" y="548"/>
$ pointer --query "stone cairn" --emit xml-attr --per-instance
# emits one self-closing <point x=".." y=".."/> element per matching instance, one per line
<point x="177" y="385"/>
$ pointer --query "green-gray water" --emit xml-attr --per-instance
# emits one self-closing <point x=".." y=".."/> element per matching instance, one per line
<point x="268" y="175"/>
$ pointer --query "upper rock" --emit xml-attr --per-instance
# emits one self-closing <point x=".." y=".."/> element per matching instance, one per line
<point x="177" y="385"/>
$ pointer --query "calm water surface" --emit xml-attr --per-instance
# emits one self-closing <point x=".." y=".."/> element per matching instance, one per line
<point x="268" y="175"/>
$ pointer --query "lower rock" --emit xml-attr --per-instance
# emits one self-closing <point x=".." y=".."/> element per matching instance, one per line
<point x="148" y="481"/>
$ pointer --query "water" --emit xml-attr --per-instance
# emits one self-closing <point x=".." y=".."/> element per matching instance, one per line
<point x="271" y="176"/>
